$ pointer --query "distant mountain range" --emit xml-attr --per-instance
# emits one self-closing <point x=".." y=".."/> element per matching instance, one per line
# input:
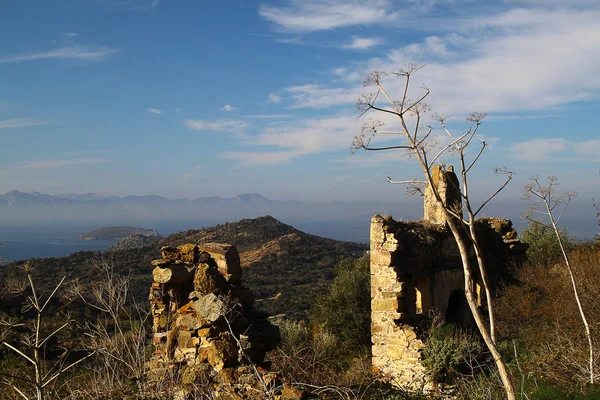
<point x="39" y="207"/>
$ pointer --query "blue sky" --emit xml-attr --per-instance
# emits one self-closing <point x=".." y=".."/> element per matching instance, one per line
<point x="189" y="98"/>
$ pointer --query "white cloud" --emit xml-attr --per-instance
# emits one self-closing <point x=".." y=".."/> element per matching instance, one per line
<point x="273" y="98"/>
<point x="318" y="15"/>
<point x="362" y="43"/>
<point x="538" y="149"/>
<point x="154" y="110"/>
<point x="589" y="148"/>
<point x="74" y="52"/>
<point x="260" y="158"/>
<point x="220" y="125"/>
<point x="292" y="140"/>
<point x="229" y="108"/>
<point x="317" y="96"/>
<point x="370" y="160"/>
<point x="21" y="123"/>
<point x="517" y="61"/>
<point x="46" y="164"/>
<point x="269" y="116"/>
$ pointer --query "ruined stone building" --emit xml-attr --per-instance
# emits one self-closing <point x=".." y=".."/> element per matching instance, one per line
<point x="416" y="271"/>
<point x="207" y="335"/>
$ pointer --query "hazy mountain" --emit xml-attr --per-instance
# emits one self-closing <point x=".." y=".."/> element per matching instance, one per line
<point x="39" y="207"/>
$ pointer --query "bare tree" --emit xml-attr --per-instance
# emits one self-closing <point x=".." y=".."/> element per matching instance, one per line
<point x="418" y="142"/>
<point x="33" y="344"/>
<point x="546" y="202"/>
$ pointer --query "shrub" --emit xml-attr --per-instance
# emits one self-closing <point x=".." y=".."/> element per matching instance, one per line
<point x="346" y="310"/>
<point x="450" y="351"/>
<point x="543" y="245"/>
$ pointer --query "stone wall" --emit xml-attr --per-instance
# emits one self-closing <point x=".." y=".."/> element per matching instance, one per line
<point x="206" y="333"/>
<point x="416" y="271"/>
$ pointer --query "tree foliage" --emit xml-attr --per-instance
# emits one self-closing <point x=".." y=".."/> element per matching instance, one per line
<point x="543" y="244"/>
<point x="345" y="311"/>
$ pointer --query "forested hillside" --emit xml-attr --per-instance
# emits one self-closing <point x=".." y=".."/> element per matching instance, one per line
<point x="282" y="265"/>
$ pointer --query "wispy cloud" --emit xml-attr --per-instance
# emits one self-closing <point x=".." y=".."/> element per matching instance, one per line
<point x="540" y="150"/>
<point x="273" y="98"/>
<point x="362" y="43"/>
<point x="73" y="52"/>
<point x="318" y="15"/>
<point x="47" y="164"/>
<point x="154" y="110"/>
<point x="21" y="123"/>
<point x="229" y="108"/>
<point x="269" y="116"/>
<point x="220" y="125"/>
<point x="505" y="63"/>
<point x="260" y="158"/>
<point x="293" y="140"/>
<point x="317" y="96"/>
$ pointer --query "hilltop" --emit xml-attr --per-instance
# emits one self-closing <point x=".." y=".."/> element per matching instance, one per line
<point x="133" y="241"/>
<point x="286" y="266"/>
<point x="116" y="233"/>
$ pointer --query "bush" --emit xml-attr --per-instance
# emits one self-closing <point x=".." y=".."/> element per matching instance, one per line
<point x="540" y="314"/>
<point x="543" y="245"/>
<point x="450" y="351"/>
<point x="346" y="310"/>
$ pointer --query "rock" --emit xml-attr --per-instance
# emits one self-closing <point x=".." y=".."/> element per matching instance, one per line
<point x="172" y="273"/>
<point x="227" y="258"/>
<point x="195" y="374"/>
<point x="210" y="307"/>
<point x="184" y="339"/>
<point x="221" y="353"/>
<point x="206" y="332"/>
<point x="188" y="253"/>
<point x="207" y="279"/>
<point x="169" y="253"/>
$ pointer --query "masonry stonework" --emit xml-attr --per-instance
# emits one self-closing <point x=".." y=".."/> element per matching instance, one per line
<point x="206" y="334"/>
<point x="416" y="271"/>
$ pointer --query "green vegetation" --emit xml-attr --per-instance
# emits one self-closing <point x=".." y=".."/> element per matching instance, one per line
<point x="345" y="311"/>
<point x="543" y="245"/>
<point x="299" y="269"/>
<point x="325" y="294"/>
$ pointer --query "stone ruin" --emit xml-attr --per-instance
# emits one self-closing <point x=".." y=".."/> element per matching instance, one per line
<point x="416" y="271"/>
<point x="206" y="333"/>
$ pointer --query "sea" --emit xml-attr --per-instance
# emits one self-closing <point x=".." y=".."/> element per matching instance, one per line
<point x="29" y="241"/>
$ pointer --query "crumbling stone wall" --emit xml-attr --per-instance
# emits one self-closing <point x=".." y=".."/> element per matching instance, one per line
<point x="416" y="270"/>
<point x="206" y="333"/>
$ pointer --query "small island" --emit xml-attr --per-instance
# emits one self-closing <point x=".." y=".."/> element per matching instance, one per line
<point x="117" y="233"/>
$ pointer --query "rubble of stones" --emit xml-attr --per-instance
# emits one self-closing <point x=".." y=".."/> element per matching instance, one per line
<point x="207" y="336"/>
